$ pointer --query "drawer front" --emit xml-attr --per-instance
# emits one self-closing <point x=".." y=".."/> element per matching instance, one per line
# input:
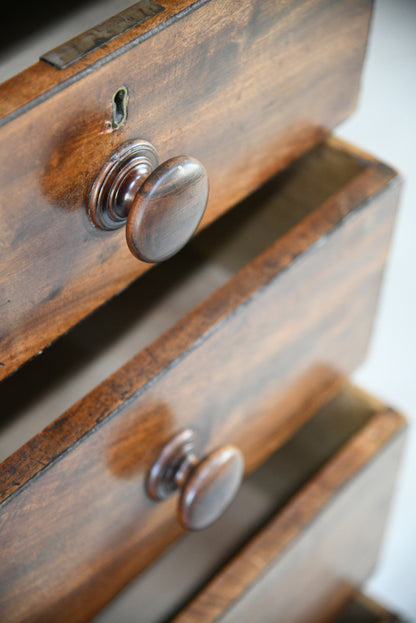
<point x="244" y="87"/>
<point x="307" y="561"/>
<point x="247" y="367"/>
<point x="291" y="498"/>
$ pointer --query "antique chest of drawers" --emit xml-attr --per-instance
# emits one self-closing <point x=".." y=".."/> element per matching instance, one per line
<point x="227" y="360"/>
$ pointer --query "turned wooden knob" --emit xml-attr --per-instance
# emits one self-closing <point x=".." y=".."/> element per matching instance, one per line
<point x="161" y="205"/>
<point x="207" y="486"/>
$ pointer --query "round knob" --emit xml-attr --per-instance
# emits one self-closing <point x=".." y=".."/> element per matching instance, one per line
<point x="207" y="486"/>
<point x="161" y="205"/>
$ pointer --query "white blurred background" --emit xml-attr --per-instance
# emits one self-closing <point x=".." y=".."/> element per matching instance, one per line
<point x="385" y="124"/>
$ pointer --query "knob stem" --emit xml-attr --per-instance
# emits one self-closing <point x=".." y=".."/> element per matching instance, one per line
<point x="118" y="182"/>
<point x="127" y="187"/>
<point x="172" y="466"/>
<point x="184" y="470"/>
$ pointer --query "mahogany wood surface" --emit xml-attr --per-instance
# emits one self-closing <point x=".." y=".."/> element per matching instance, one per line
<point x="195" y="558"/>
<point x="244" y="87"/>
<point x="245" y="367"/>
<point x="305" y="563"/>
<point x="111" y="336"/>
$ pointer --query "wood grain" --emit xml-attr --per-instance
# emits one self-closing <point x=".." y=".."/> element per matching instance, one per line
<point x="245" y="367"/>
<point x="196" y="558"/>
<point x="243" y="87"/>
<point x="305" y="563"/>
<point x="41" y="81"/>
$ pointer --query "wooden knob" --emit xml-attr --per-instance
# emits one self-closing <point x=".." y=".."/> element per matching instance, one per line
<point x="161" y="205"/>
<point x="207" y="486"/>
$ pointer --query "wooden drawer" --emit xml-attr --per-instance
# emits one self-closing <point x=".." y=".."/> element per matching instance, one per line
<point x="244" y="87"/>
<point x="247" y="366"/>
<point x="317" y="509"/>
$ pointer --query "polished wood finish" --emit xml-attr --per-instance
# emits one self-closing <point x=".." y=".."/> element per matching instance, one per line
<point x="196" y="558"/>
<point x="161" y="206"/>
<point x="118" y="181"/>
<point x="99" y="346"/>
<point x="208" y="486"/>
<point x="211" y="487"/>
<point x="167" y="209"/>
<point x="76" y="492"/>
<point x="243" y="87"/>
<point x="305" y="563"/>
<point x="264" y="304"/>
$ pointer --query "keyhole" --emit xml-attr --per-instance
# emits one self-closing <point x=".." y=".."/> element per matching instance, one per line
<point x="120" y="99"/>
